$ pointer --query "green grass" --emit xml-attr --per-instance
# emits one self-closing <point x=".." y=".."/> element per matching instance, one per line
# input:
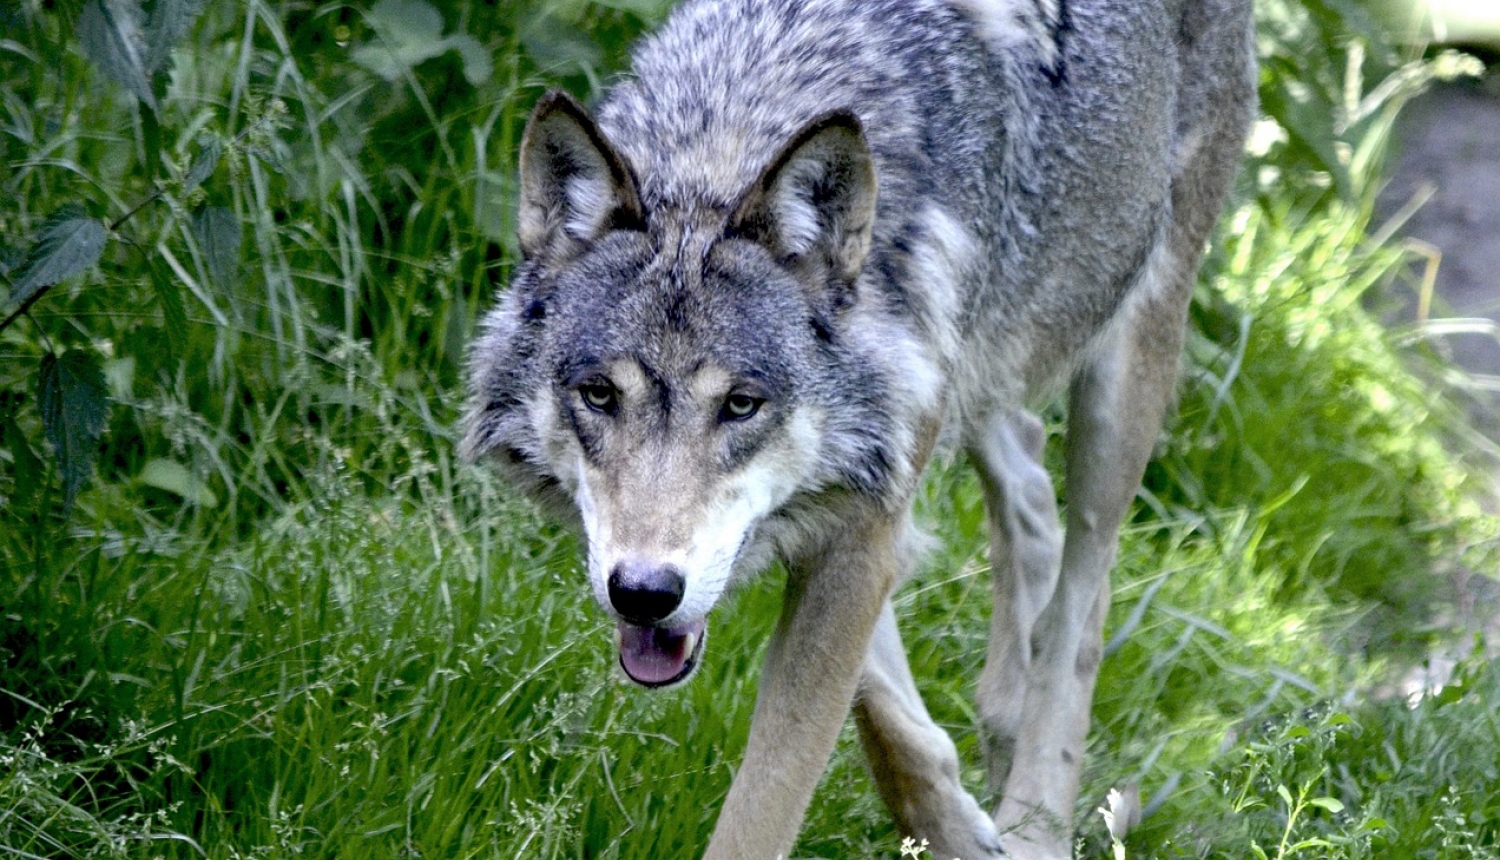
<point x="314" y="634"/>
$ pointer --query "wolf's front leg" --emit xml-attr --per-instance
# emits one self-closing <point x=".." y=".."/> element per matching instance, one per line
<point x="832" y="603"/>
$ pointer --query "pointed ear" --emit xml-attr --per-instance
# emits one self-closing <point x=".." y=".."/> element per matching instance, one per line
<point x="815" y="203"/>
<point x="574" y="185"/>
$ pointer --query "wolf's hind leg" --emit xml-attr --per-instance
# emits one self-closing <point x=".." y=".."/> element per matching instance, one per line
<point x="914" y="761"/>
<point x="1115" y="411"/>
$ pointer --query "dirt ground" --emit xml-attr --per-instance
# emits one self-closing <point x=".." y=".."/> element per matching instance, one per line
<point x="1449" y="148"/>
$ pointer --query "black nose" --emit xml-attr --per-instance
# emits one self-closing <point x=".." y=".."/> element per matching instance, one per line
<point x="645" y="593"/>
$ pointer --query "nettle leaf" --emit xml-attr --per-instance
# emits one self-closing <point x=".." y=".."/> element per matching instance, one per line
<point x="203" y="164"/>
<point x="70" y="242"/>
<point x="110" y="33"/>
<point x="170" y="21"/>
<point x="409" y="33"/>
<point x="219" y="233"/>
<point x="71" y="396"/>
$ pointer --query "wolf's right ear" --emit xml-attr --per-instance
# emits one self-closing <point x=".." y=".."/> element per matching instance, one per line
<point x="574" y="185"/>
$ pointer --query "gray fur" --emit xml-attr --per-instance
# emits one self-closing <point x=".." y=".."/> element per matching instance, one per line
<point x="880" y="220"/>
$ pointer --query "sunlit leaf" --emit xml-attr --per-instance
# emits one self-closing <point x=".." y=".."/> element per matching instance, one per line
<point x="559" y="46"/>
<point x="478" y="64"/>
<point x="71" y="398"/>
<point x="1332" y="804"/>
<point x="408" y="32"/>
<point x="176" y="479"/>
<point x="69" y="243"/>
<point x="110" y="33"/>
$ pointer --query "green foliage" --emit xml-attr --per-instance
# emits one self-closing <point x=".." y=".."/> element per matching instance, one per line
<point x="1358" y="482"/>
<point x="1398" y="779"/>
<point x="69" y="243"/>
<point x="1304" y="405"/>
<point x="110" y="33"/>
<point x="288" y="188"/>
<point x="410" y="32"/>
<point x="70" y="396"/>
<point x="279" y="619"/>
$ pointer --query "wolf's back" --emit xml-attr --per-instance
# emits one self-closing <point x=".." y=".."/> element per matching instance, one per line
<point x="721" y="88"/>
<point x="1038" y="134"/>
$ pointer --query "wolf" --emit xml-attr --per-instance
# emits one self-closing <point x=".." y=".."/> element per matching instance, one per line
<point x="801" y="246"/>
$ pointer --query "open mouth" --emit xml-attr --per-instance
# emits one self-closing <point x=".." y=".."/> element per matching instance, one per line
<point x="658" y="656"/>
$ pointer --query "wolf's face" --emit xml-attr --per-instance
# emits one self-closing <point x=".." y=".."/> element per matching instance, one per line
<point x="655" y="368"/>
<point x="675" y="421"/>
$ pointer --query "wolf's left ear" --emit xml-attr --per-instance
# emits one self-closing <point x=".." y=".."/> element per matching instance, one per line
<point x="574" y="185"/>
<point x="815" y="203"/>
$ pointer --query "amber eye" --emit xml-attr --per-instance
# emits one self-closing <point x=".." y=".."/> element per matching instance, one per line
<point x="598" y="396"/>
<point x="738" y="407"/>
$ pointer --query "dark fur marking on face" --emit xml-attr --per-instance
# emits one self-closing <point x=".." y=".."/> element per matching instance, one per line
<point x="821" y="329"/>
<point x="586" y="429"/>
<point x="679" y="311"/>
<point x="659" y="385"/>
<point x="743" y="440"/>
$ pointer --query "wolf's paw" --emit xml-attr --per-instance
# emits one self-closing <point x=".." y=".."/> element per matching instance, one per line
<point x="1020" y="849"/>
<point x="969" y="835"/>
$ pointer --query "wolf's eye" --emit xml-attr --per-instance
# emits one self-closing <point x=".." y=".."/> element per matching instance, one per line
<point x="738" y="407"/>
<point x="598" y="396"/>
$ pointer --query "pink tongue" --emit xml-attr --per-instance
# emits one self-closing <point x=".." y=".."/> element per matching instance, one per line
<point x="655" y="655"/>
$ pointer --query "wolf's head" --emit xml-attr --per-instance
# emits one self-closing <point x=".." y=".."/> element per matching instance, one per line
<point x="675" y="371"/>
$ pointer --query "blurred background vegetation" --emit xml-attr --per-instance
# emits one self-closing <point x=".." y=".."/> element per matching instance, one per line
<point x="250" y="605"/>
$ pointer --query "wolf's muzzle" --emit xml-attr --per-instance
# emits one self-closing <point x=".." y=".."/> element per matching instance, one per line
<point x="644" y="594"/>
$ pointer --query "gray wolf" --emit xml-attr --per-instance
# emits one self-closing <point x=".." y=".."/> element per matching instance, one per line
<point x="802" y="245"/>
